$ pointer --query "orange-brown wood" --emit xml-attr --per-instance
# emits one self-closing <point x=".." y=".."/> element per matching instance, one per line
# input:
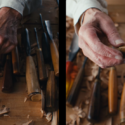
<point x="41" y="66"/>
<point x="112" y="91"/>
<point x="55" y="57"/>
<point x="122" y="106"/>
<point x="15" y="60"/>
<point x="32" y="80"/>
<point x="51" y="92"/>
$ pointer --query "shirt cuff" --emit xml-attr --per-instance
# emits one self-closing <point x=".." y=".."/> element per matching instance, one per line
<point x="82" y="7"/>
<point x="18" y="5"/>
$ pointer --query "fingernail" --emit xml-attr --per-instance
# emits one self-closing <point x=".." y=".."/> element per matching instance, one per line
<point x="119" y="42"/>
<point x="118" y="57"/>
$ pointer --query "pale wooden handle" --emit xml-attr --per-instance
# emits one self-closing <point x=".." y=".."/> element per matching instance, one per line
<point x="31" y="76"/>
<point x="55" y="57"/>
<point x="112" y="91"/>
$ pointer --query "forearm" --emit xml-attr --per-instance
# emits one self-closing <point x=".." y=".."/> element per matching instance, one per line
<point x="24" y="7"/>
<point x="75" y="8"/>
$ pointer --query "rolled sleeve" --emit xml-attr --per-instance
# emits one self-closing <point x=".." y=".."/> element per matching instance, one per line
<point x="15" y="4"/>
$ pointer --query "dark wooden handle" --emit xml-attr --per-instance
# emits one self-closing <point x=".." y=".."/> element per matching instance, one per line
<point x="94" y="106"/>
<point x="32" y="80"/>
<point x="122" y="106"/>
<point x="112" y="91"/>
<point x="7" y="82"/>
<point x="51" y="92"/>
<point x="2" y="60"/>
<point x="71" y="99"/>
<point x="15" y="60"/>
<point x="41" y="66"/>
<point x="55" y="57"/>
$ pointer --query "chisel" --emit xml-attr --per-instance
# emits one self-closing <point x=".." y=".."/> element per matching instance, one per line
<point x="34" y="91"/>
<point x="94" y="105"/>
<point x="76" y="86"/>
<point x="40" y="60"/>
<point x="53" y="48"/>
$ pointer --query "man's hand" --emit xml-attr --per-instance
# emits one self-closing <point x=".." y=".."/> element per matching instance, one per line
<point x="96" y="24"/>
<point x="9" y="20"/>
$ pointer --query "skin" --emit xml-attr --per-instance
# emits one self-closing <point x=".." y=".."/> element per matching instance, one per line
<point x="9" y="20"/>
<point x="97" y="25"/>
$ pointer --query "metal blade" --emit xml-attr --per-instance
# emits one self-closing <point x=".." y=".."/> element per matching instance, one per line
<point x="74" y="48"/>
<point x="37" y="38"/>
<point x="42" y="22"/>
<point x="48" y="28"/>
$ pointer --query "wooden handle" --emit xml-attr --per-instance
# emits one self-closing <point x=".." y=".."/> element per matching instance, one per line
<point x="75" y="88"/>
<point x="112" y="91"/>
<point x="94" y="106"/>
<point x="51" y="92"/>
<point x="32" y="80"/>
<point x="7" y="82"/>
<point x="2" y="60"/>
<point x="55" y="57"/>
<point x="41" y="66"/>
<point x="15" y="60"/>
<point x="122" y="106"/>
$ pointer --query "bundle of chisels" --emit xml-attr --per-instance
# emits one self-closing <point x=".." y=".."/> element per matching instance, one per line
<point x="46" y="75"/>
<point x="94" y="107"/>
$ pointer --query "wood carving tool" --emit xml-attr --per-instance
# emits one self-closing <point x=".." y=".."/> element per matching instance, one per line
<point x="53" y="48"/>
<point x="15" y="60"/>
<point x="112" y="91"/>
<point x="7" y="82"/>
<point x="40" y="59"/>
<point x="34" y="91"/>
<point x="70" y="101"/>
<point x="94" y="105"/>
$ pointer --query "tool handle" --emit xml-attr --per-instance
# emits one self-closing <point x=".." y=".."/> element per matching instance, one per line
<point x="41" y="66"/>
<point x="51" y="92"/>
<point x="94" y="105"/>
<point x="122" y="106"/>
<point x="69" y="66"/>
<point x="32" y="79"/>
<point x="112" y="91"/>
<point x="2" y="60"/>
<point x="71" y="99"/>
<point x="55" y="57"/>
<point x="7" y="82"/>
<point x="15" y="60"/>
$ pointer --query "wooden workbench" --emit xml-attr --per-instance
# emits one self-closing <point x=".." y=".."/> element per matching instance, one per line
<point x="117" y="13"/>
<point x="15" y="100"/>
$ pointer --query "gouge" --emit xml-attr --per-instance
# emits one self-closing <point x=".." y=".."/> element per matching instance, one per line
<point x="34" y="91"/>
<point x="53" y="48"/>
<point x="94" y="105"/>
<point x="15" y="60"/>
<point x="112" y="91"/>
<point x="70" y="101"/>
<point x="7" y="82"/>
<point x="40" y="60"/>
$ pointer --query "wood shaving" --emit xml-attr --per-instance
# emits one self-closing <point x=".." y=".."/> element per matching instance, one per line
<point x="49" y="117"/>
<point x="29" y="123"/>
<point x="73" y="117"/>
<point x="43" y="113"/>
<point x="82" y="115"/>
<point x="4" y="111"/>
<point x="25" y="99"/>
<point x="54" y="120"/>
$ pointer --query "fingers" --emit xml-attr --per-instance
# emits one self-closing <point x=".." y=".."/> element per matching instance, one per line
<point x="90" y="37"/>
<point x="101" y="61"/>
<point x="108" y="27"/>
